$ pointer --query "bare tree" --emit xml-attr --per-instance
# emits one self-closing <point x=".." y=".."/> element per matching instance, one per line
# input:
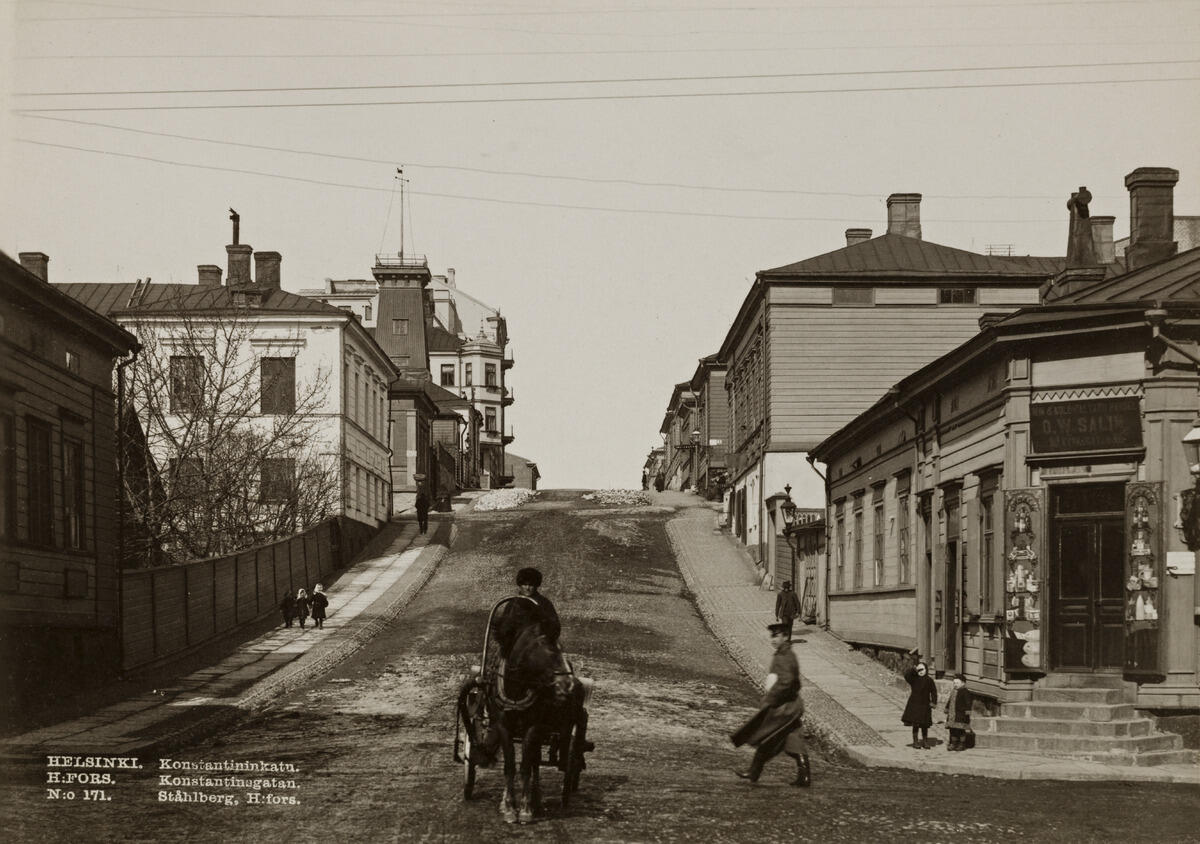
<point x="226" y="451"/>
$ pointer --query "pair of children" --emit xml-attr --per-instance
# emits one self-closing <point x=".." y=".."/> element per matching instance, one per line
<point x="922" y="697"/>
<point x="301" y="606"/>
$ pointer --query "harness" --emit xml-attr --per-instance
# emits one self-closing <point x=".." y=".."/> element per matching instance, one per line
<point x="502" y="699"/>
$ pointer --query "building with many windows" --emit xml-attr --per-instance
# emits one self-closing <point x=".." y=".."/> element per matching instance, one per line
<point x="59" y="511"/>
<point x="815" y="342"/>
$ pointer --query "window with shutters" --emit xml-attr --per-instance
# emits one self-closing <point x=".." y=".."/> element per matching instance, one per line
<point x="40" y="482"/>
<point x="277" y="382"/>
<point x="73" y="494"/>
<point x="187" y="383"/>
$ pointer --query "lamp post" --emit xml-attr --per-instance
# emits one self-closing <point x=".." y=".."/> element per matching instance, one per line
<point x="695" y="438"/>
<point x="788" y="509"/>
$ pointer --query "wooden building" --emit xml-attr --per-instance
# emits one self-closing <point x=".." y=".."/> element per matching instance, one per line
<point x="815" y="343"/>
<point x="712" y="421"/>
<point x="680" y="436"/>
<point x="58" y="513"/>
<point x="1021" y="509"/>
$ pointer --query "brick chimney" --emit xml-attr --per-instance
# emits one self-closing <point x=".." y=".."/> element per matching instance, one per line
<point x="210" y="275"/>
<point x="854" y="236"/>
<point x="1102" y="239"/>
<point x="239" y="264"/>
<point x="1151" y="215"/>
<point x="266" y="269"/>
<point x="904" y="214"/>
<point x="36" y="262"/>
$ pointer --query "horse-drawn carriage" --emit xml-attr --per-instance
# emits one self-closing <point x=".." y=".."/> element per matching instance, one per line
<point x="532" y="696"/>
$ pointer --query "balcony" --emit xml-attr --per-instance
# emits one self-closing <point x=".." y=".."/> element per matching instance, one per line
<point x="508" y="437"/>
<point x="388" y="260"/>
<point x="507" y="361"/>
<point x="507" y="398"/>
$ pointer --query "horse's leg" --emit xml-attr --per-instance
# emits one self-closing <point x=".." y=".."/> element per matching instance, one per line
<point x="508" y="807"/>
<point x="530" y="758"/>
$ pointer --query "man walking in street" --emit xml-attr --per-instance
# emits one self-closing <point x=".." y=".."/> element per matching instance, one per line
<point x="776" y="727"/>
<point x="787" y="607"/>
<point x="422" y="505"/>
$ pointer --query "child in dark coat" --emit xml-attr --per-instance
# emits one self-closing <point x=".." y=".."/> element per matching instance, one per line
<point x="319" y="603"/>
<point x="288" y="608"/>
<point x="958" y="713"/>
<point x="302" y="604"/>
<point x="922" y="697"/>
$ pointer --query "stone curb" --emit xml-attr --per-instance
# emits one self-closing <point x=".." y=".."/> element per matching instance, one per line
<point x="291" y="675"/>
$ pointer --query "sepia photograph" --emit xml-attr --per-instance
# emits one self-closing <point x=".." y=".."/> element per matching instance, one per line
<point x="608" y="421"/>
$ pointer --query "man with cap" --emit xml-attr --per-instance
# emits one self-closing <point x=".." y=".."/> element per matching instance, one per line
<point x="787" y="606"/>
<point x="776" y="727"/>
<point x="517" y="615"/>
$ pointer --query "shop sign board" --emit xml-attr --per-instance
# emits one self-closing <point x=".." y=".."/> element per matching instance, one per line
<point x="1089" y="425"/>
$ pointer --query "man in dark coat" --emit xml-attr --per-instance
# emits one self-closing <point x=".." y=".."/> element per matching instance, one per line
<point x="517" y="615"/>
<point x="787" y="607"/>
<point x="422" y="505"/>
<point x="777" y="727"/>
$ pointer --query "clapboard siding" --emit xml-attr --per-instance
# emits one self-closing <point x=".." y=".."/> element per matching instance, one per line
<point x="830" y="364"/>
<point x="801" y="295"/>
<point x="905" y="295"/>
<point x="1013" y="297"/>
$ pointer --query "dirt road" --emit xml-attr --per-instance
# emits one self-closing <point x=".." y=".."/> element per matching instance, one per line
<point x="371" y="740"/>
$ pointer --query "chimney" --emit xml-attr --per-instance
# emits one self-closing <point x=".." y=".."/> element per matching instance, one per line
<point x="450" y="276"/>
<point x="854" y="236"/>
<point x="904" y="214"/>
<point x="36" y="263"/>
<point x="238" y="274"/>
<point x="1102" y="239"/>
<point x="266" y="269"/>
<point x="1151" y="215"/>
<point x="210" y="275"/>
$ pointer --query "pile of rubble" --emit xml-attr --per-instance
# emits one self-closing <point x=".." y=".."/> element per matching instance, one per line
<point x="623" y="497"/>
<point x="503" y="499"/>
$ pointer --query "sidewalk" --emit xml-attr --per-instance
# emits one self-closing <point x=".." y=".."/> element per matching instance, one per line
<point x="367" y="595"/>
<point x="851" y="701"/>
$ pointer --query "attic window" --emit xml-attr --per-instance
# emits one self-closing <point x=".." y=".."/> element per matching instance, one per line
<point x="956" y="295"/>
<point x="855" y="296"/>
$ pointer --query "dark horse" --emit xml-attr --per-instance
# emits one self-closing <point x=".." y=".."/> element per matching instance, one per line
<point x="535" y="694"/>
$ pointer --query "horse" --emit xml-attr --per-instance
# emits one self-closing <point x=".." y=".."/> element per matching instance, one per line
<point x="535" y="694"/>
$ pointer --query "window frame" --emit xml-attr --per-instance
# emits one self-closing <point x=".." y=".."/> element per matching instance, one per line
<point x="39" y="486"/>
<point x="280" y="388"/>
<point x="399" y="323"/>
<point x="280" y="487"/>
<point x="74" y="494"/>
<point x="446" y="375"/>
<point x="958" y="295"/>
<point x="186" y="384"/>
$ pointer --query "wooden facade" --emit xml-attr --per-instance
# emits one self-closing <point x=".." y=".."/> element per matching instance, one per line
<point x="1017" y="508"/>
<point x="60" y="593"/>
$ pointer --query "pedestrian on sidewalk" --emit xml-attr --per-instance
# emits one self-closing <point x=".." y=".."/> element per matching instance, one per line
<point x="958" y="713"/>
<point x="777" y="726"/>
<point x="302" y="604"/>
<point x="922" y="697"/>
<point x="422" y="505"/>
<point x="319" y="603"/>
<point x="787" y="607"/>
<point x="288" y="608"/>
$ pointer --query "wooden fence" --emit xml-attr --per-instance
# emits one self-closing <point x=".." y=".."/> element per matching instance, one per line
<point x="169" y="611"/>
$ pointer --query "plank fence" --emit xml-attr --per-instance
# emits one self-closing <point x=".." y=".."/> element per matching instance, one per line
<point x="169" y="611"/>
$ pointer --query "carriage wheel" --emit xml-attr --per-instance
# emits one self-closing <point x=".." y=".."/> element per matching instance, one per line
<point x="466" y="737"/>
<point x="468" y="765"/>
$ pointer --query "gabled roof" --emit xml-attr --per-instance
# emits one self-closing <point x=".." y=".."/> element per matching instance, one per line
<point x="896" y="255"/>
<point x="1172" y="279"/>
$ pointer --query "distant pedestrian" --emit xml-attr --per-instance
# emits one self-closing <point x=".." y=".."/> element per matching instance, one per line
<point x="288" y="608"/>
<point x="958" y="713"/>
<point x="922" y="697"/>
<point x="319" y="603"/>
<point x="422" y="505"/>
<point x="787" y="607"/>
<point x="777" y="726"/>
<point x="302" y="604"/>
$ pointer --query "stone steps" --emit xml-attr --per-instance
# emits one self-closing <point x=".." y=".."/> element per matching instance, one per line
<point x="1068" y="711"/>
<point x="1052" y="695"/>
<point x="1071" y="745"/>
<point x="1132" y="727"/>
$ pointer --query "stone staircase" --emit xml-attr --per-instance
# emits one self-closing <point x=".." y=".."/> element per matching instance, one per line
<point x="1082" y="716"/>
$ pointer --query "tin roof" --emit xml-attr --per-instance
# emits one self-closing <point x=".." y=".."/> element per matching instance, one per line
<point x="1171" y="279"/>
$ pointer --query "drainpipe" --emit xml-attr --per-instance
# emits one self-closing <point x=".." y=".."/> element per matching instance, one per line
<point x="824" y="592"/>
<point x="121" y="364"/>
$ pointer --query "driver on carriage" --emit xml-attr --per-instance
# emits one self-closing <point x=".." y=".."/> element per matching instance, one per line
<point x="517" y="615"/>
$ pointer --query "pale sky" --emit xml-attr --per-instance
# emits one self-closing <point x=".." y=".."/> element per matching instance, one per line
<point x="617" y="229"/>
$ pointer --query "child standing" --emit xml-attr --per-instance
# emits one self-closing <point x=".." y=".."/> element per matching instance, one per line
<point x="958" y="713"/>
<point x="319" y="603"/>
<point x="302" y="604"/>
<point x="922" y="697"/>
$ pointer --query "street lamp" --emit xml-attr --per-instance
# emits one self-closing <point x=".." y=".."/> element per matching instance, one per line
<point x="1191" y="448"/>
<point x="788" y="508"/>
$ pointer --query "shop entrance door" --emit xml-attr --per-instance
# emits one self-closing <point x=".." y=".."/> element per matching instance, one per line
<point x="1087" y="564"/>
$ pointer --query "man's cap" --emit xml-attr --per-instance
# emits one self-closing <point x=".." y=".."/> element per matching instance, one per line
<point x="780" y="629"/>
<point x="529" y="577"/>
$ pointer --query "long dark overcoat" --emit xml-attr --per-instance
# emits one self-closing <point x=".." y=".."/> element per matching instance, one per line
<point x="958" y="709"/>
<point x="777" y="726"/>
<point x="319" y="603"/>
<point x="922" y="697"/>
